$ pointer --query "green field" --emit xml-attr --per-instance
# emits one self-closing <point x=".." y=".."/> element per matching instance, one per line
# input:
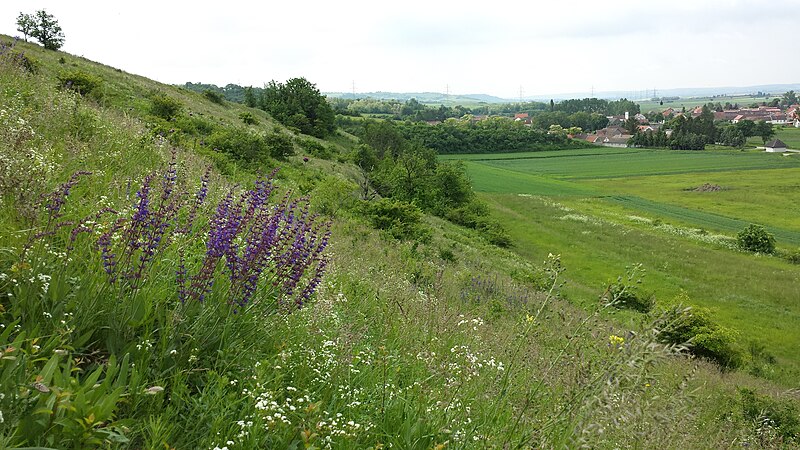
<point x="606" y="209"/>
<point x="789" y="135"/>
<point x="692" y="102"/>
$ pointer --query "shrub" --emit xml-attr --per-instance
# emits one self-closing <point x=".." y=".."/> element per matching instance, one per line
<point x="79" y="81"/>
<point x="754" y="238"/>
<point x="402" y="220"/>
<point x="248" y="118"/>
<point x="794" y="257"/>
<point x="165" y="107"/>
<point x="493" y="231"/>
<point x="241" y="144"/>
<point x="280" y="146"/>
<point x="314" y="148"/>
<point x="705" y="338"/>
<point x="214" y="97"/>
<point x="333" y="194"/>
<point x="781" y="414"/>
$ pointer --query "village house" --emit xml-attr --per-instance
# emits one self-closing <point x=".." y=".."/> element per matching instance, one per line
<point x="620" y="140"/>
<point x="775" y="146"/>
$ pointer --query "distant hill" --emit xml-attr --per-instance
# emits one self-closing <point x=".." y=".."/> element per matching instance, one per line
<point x="422" y="97"/>
<point x="439" y="98"/>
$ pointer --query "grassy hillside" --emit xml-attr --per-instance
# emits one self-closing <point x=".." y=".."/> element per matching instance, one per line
<point x="158" y="291"/>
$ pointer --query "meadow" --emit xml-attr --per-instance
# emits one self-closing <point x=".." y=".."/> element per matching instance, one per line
<point x="156" y="293"/>
<point x="744" y="101"/>
<point x="605" y="210"/>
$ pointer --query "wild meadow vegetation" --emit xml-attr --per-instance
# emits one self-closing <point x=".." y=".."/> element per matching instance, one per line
<point x="177" y="271"/>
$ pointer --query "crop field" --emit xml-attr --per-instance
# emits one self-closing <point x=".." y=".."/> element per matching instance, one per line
<point x="691" y="102"/>
<point x="675" y="212"/>
<point x="615" y="163"/>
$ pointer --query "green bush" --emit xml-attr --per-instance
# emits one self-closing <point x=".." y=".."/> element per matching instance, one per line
<point x="794" y="257"/>
<point x="79" y="81"/>
<point x="402" y="220"/>
<point x="333" y="194"/>
<point x="705" y="338"/>
<point x="754" y="238"/>
<point x="280" y="146"/>
<point x="241" y="144"/>
<point x="248" y="118"/>
<point x="214" y="97"/>
<point x="165" y="107"/>
<point x="314" y="148"/>
<point x="493" y="231"/>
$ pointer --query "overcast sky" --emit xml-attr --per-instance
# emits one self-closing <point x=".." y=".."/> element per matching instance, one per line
<point x="491" y="47"/>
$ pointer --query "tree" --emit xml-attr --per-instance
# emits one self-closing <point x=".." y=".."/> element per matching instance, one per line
<point x="26" y="24"/>
<point x="631" y="125"/>
<point x="732" y="136"/>
<point x="298" y="103"/>
<point x="249" y="97"/>
<point x="789" y="98"/>
<point x="47" y="30"/>
<point x="764" y="130"/>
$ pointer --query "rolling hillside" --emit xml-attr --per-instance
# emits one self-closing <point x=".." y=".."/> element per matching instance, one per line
<point x="182" y="272"/>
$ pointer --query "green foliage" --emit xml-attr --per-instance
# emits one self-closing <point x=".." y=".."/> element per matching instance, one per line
<point x="694" y="327"/>
<point x="214" y="97"/>
<point x="754" y="238"/>
<point x="775" y="413"/>
<point x="491" y="135"/>
<point x="299" y="104"/>
<point x="402" y="220"/>
<point x="26" y="24"/>
<point x="248" y="118"/>
<point x="165" y="107"/>
<point x="332" y="195"/>
<point x="43" y="27"/>
<point x="280" y="145"/>
<point x="80" y="81"/>
<point x="314" y="148"/>
<point x="764" y="130"/>
<point x="240" y="143"/>
<point x="67" y="410"/>
<point x="19" y="59"/>
<point x="733" y="137"/>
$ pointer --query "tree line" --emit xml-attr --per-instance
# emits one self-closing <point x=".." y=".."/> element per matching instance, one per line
<point x="466" y="135"/>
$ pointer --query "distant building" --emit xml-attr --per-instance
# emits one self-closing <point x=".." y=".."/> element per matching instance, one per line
<point x="620" y="140"/>
<point x="776" y="146"/>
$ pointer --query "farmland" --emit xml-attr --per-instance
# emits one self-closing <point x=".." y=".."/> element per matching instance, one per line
<point x="606" y="209"/>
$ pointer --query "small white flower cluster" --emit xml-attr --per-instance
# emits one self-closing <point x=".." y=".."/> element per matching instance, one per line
<point x="272" y="411"/>
<point x="337" y="425"/>
<point x="144" y="345"/>
<point x="474" y="323"/>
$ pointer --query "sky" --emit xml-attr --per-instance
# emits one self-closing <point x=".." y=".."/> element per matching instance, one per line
<point x="496" y="47"/>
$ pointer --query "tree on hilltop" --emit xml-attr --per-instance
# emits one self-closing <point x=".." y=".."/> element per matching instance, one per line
<point x="43" y="27"/>
<point x="26" y="24"/>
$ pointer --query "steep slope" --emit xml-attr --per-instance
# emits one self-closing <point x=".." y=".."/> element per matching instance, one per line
<point x="134" y="317"/>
